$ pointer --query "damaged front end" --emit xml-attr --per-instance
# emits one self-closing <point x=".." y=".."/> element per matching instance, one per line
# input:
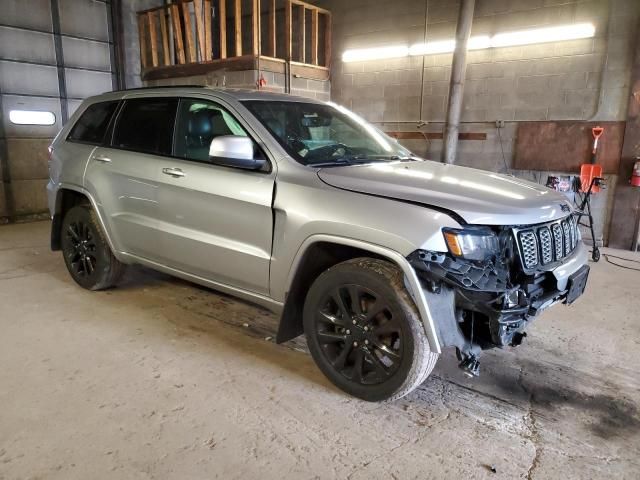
<point x="485" y="291"/>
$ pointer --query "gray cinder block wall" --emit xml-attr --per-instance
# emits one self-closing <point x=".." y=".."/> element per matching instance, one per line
<point x="572" y="80"/>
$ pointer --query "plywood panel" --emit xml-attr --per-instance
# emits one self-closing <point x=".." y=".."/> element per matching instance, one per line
<point x="564" y="146"/>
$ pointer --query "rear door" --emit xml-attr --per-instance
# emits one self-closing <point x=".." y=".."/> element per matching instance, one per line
<point x="217" y="221"/>
<point x="123" y="174"/>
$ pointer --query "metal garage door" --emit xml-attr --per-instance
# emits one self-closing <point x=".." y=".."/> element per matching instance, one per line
<point x="53" y="54"/>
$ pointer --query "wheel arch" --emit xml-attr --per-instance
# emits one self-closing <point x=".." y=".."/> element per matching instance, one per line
<point x="69" y="196"/>
<point x="320" y="252"/>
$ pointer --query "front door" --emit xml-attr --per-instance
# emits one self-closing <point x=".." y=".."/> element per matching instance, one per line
<point x="216" y="221"/>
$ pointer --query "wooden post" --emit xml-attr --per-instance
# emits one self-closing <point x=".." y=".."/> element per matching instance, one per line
<point x="222" y="12"/>
<point x="188" y="32"/>
<point x="302" y="33"/>
<point x="153" y="38"/>
<point x="165" y="38"/>
<point x="314" y="36"/>
<point x="238" y="29"/>
<point x="272" y="28"/>
<point x="208" y="54"/>
<point x="197" y="8"/>
<point x="143" y="42"/>
<point x="287" y="29"/>
<point x="174" y="12"/>
<point x="327" y="41"/>
<point x="255" y="21"/>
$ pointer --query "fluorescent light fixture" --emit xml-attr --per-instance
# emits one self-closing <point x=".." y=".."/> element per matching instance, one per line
<point x="507" y="39"/>
<point x="379" y="53"/>
<point x="543" y="35"/>
<point x="31" y="117"/>
<point x="431" y="48"/>
<point x="448" y="46"/>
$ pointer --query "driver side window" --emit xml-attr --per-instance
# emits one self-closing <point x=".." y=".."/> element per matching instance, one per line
<point x="199" y="122"/>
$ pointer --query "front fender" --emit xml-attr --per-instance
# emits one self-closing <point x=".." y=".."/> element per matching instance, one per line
<point x="412" y="282"/>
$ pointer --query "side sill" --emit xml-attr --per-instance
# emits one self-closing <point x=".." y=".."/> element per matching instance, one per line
<point x="258" y="299"/>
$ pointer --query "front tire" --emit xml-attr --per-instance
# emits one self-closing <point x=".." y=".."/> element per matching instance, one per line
<point x="364" y="332"/>
<point x="86" y="252"/>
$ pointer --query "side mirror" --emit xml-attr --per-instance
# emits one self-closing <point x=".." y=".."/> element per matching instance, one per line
<point x="234" y="151"/>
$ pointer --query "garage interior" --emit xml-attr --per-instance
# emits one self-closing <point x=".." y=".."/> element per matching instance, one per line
<point x="161" y="378"/>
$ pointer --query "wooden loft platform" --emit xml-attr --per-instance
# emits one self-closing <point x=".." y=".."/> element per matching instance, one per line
<point x="194" y="37"/>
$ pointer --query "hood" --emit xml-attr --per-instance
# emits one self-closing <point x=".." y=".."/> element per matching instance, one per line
<point x="478" y="196"/>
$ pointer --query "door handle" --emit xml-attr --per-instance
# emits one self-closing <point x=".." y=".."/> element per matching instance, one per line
<point x="101" y="158"/>
<point x="174" y="172"/>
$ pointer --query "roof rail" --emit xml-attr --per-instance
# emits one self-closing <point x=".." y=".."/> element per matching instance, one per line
<point x="160" y="86"/>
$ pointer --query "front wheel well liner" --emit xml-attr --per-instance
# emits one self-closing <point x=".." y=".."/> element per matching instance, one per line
<point x="316" y="259"/>
<point x="65" y="200"/>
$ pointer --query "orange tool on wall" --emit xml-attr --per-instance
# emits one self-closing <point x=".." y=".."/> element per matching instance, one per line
<point x="589" y="171"/>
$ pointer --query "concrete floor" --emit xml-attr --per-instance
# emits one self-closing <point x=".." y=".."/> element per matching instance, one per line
<point x="160" y="379"/>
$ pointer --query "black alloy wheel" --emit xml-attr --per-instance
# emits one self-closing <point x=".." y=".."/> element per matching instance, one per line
<point x="81" y="248"/>
<point x="364" y="332"/>
<point x="86" y="252"/>
<point x="359" y="335"/>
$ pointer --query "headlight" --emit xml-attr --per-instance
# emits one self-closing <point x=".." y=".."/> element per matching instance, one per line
<point x="471" y="243"/>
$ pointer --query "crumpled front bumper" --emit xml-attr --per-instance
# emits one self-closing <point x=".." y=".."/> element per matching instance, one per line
<point x="460" y="291"/>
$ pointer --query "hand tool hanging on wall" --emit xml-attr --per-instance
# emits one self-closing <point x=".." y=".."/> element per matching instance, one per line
<point x="589" y="171"/>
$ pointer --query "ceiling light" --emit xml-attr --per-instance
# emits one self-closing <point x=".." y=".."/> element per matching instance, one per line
<point x="379" y="53"/>
<point x="448" y="46"/>
<point x="507" y="39"/>
<point x="31" y="117"/>
<point x="543" y="35"/>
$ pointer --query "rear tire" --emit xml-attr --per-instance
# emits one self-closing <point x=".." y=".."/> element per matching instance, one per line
<point x="86" y="252"/>
<point x="364" y="331"/>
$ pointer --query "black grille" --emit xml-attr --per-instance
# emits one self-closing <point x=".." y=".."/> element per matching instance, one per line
<point x="544" y="244"/>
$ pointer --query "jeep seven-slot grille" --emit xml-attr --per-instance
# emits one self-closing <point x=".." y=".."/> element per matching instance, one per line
<point x="548" y="243"/>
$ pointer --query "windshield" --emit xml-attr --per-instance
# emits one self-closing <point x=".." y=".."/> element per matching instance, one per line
<point x="325" y="134"/>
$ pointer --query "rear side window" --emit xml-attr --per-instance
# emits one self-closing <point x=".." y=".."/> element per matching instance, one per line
<point x="146" y="125"/>
<point x="93" y="123"/>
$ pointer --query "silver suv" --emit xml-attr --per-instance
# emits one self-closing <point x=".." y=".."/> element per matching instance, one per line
<point x="380" y="258"/>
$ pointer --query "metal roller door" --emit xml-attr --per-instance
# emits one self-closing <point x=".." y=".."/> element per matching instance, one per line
<point x="53" y="54"/>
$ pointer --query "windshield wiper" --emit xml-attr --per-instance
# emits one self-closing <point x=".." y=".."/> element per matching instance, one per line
<point x="340" y="162"/>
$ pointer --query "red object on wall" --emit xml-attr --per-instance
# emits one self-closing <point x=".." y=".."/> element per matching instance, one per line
<point x="635" y="175"/>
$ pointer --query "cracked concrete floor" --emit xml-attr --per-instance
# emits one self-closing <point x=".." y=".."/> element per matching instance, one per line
<point x="159" y="379"/>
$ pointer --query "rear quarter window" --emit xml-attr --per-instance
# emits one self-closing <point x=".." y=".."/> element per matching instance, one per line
<point x="92" y="125"/>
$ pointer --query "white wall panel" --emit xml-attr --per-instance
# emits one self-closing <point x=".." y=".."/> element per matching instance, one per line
<point x="28" y="79"/>
<point x="86" y="54"/>
<point x="82" y="84"/>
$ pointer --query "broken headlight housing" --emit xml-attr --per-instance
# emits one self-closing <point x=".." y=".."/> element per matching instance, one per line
<point x="472" y="243"/>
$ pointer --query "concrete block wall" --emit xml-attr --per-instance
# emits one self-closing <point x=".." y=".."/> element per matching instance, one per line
<point x="585" y="79"/>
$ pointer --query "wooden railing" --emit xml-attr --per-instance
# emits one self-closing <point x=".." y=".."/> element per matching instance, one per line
<point x="211" y="33"/>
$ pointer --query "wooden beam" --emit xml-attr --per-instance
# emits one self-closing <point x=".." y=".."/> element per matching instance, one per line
<point x="197" y="8"/>
<point x="165" y="38"/>
<point x="327" y="41"/>
<point x="188" y="32"/>
<point x="272" y="28"/>
<point x="435" y="135"/>
<point x="153" y="38"/>
<point x="143" y="40"/>
<point x="302" y="45"/>
<point x="246" y="62"/>
<point x="174" y="12"/>
<point x="222" y="12"/>
<point x="208" y="48"/>
<point x="287" y="29"/>
<point x="314" y="37"/>
<point x="255" y="24"/>
<point x="238" y="29"/>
